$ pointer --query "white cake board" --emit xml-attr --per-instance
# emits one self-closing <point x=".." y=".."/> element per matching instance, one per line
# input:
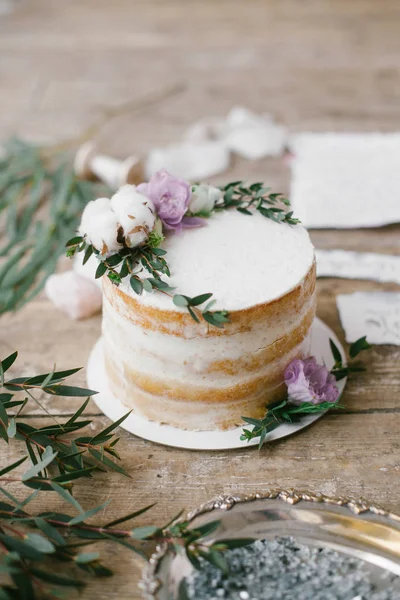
<point x="199" y="440"/>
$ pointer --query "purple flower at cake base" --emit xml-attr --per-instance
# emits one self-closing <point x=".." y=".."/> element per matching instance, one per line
<point x="307" y="381"/>
<point x="171" y="197"/>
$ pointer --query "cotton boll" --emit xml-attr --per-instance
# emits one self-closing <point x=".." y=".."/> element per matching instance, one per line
<point x="92" y="209"/>
<point x="135" y="213"/>
<point x="102" y="232"/>
<point x="203" y="198"/>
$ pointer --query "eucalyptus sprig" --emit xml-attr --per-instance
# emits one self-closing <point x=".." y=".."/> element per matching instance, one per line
<point x="70" y="458"/>
<point x="47" y="549"/>
<point x="339" y="370"/>
<point x="256" y="197"/>
<point x="145" y="265"/>
<point x="41" y="202"/>
<point x="285" y="411"/>
<point x="43" y="551"/>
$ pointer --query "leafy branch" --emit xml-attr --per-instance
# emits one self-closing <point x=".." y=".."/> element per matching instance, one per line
<point x="35" y="548"/>
<point x="73" y="458"/>
<point x="41" y="202"/>
<point x="40" y="552"/>
<point x="284" y="411"/>
<point x="258" y="197"/>
<point x="339" y="370"/>
<point x="140" y="262"/>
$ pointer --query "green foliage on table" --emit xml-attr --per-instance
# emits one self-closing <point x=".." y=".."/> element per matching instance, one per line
<point x="43" y="551"/>
<point x="41" y="202"/>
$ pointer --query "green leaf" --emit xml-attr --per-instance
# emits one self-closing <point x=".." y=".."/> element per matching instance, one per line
<point x="78" y="413"/>
<point x="358" y="346"/>
<point x="337" y="357"/>
<point x="182" y="591"/>
<point x="12" y="466"/>
<point x="74" y="241"/>
<point x="23" y="583"/>
<point x="51" y="577"/>
<point x="193" y="559"/>
<point x="107" y="461"/>
<point x="159" y="251"/>
<point x="180" y="300"/>
<point x="67" y="496"/>
<point x="47" y="457"/>
<point x="209" y="305"/>
<point x="87" y="557"/>
<point x="251" y="421"/>
<point x="26" y="501"/>
<point x="159" y="284"/>
<point x="263" y="435"/>
<point x="66" y="390"/>
<point x="209" y="317"/>
<point x="217" y="559"/>
<point x="67" y="477"/>
<point x="22" y="547"/>
<point x="193" y="315"/>
<point x="144" y="533"/>
<point x="208" y="528"/>
<point x="40" y="543"/>
<point x="114" y="260"/>
<point x="12" y="428"/>
<point x="136" y="285"/>
<point x="3" y="415"/>
<point x="199" y="299"/>
<point x="109" y="429"/>
<point x="147" y="286"/>
<point x="88" y="254"/>
<point x="101" y="269"/>
<point x="9" y="361"/>
<point x="88" y="514"/>
<point x="50" y="531"/>
<point x="130" y="516"/>
<point x="340" y="373"/>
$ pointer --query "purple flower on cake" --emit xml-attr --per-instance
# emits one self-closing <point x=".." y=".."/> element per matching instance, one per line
<point x="307" y="381"/>
<point x="171" y="197"/>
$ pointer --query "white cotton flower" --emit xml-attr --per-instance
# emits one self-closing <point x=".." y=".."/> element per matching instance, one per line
<point x="135" y="213"/>
<point x="99" y="226"/>
<point x="92" y="209"/>
<point x="203" y="198"/>
<point x="103" y="231"/>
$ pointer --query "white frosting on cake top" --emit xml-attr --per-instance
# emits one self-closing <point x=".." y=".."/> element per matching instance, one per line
<point x="242" y="260"/>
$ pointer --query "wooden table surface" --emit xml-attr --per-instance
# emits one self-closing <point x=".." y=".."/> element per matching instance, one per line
<point x="316" y="65"/>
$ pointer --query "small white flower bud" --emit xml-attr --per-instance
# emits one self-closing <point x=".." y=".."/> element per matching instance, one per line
<point x="203" y="198"/>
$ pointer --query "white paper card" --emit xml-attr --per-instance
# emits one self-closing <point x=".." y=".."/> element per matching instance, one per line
<point x="358" y="265"/>
<point x="346" y="180"/>
<point x="374" y="314"/>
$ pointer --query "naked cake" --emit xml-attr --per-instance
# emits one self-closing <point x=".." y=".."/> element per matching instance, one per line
<point x="186" y="372"/>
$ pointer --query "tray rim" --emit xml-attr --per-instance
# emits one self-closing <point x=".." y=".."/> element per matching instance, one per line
<point x="150" y="584"/>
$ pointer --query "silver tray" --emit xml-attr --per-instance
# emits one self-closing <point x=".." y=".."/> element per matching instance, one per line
<point x="353" y="527"/>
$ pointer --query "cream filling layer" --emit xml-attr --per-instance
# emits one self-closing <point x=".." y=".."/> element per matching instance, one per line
<point x="154" y="352"/>
<point x="200" y="415"/>
<point x="167" y="357"/>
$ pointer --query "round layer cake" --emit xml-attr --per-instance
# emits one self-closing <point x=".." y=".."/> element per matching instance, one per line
<point x="170" y="369"/>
